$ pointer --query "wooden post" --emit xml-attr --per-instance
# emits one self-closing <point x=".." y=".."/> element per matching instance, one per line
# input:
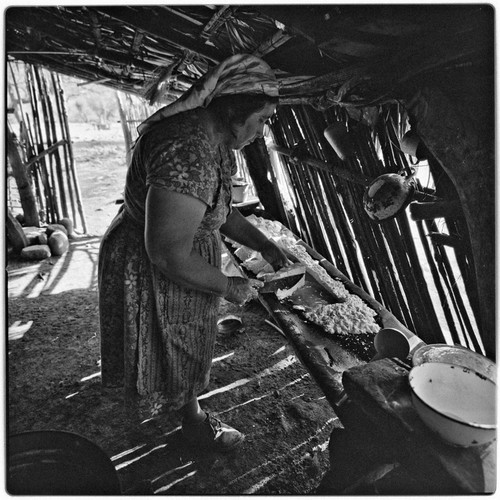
<point x="435" y="210"/>
<point x="125" y="128"/>
<point x="37" y="141"/>
<point x="259" y="165"/>
<point x="23" y="182"/>
<point x="43" y="115"/>
<point x="72" y="168"/>
<point x="56" y="84"/>
<point x="49" y="110"/>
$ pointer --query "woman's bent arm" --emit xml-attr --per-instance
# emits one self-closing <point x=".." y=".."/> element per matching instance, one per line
<point x="239" y="229"/>
<point x="171" y="222"/>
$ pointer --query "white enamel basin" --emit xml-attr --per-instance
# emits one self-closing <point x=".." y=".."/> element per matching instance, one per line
<point x="455" y="402"/>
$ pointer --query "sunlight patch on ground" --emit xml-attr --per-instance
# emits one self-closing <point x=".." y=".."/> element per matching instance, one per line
<point x="76" y="269"/>
<point x="259" y="485"/>
<point x="281" y="349"/>
<point x="36" y="290"/>
<point x="94" y="375"/>
<point x="281" y="365"/>
<point x="18" y="329"/>
<point x="140" y="457"/>
<point x="61" y="280"/>
<point x="266" y="395"/>
<point x="244" y="403"/>
<point x="220" y="358"/>
<point x="319" y="431"/>
<point x="254" y="488"/>
<point x="171" y="471"/>
<point x="168" y="486"/>
<point x="127" y="452"/>
<point x="322" y="447"/>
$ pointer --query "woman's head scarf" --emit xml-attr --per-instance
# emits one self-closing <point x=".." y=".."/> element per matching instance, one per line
<point x="239" y="74"/>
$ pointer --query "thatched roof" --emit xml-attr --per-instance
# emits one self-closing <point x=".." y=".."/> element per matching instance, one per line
<point x="334" y="53"/>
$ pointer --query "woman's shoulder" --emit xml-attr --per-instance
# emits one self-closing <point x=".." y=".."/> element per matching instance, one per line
<point x="184" y="126"/>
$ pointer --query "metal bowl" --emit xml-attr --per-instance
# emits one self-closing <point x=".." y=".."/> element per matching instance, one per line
<point x="229" y="324"/>
<point x="457" y="355"/>
<point x="455" y="402"/>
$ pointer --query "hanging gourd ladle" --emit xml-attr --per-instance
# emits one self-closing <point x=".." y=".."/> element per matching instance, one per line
<point x="385" y="197"/>
<point x="389" y="194"/>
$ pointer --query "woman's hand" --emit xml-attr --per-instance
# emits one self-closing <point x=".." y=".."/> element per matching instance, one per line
<point x="241" y="290"/>
<point x="274" y="255"/>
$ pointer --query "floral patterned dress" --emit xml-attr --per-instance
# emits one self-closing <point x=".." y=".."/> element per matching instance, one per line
<point x="157" y="337"/>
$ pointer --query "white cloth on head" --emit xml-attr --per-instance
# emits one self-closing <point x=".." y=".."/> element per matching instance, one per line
<point x="238" y="74"/>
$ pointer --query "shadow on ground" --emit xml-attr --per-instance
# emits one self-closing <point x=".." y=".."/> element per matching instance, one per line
<point x="257" y="385"/>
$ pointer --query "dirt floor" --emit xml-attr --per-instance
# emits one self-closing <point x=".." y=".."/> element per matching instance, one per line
<point x="258" y="385"/>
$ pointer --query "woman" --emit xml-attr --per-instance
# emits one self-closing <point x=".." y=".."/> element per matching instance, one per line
<point x="159" y="265"/>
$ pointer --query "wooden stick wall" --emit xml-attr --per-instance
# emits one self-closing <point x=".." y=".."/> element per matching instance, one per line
<point x="43" y="137"/>
<point x="385" y="259"/>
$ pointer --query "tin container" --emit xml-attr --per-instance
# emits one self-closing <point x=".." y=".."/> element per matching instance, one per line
<point x="229" y="324"/>
<point x="239" y="192"/>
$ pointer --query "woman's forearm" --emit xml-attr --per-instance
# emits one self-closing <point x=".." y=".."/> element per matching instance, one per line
<point x="191" y="270"/>
<point x="237" y="228"/>
<point x="240" y="230"/>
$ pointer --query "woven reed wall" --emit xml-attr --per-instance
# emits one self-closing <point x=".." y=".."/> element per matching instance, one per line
<point x="425" y="284"/>
<point x="41" y="128"/>
<point x="428" y="286"/>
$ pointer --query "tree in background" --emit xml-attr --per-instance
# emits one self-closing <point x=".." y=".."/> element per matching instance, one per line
<point x="90" y="103"/>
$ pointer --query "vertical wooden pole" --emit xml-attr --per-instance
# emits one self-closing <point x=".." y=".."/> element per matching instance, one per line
<point x="259" y="164"/>
<point x="37" y="171"/>
<point x="72" y="162"/>
<point x="53" y="139"/>
<point x="22" y="177"/>
<point x="125" y="128"/>
<point x="57" y="91"/>
<point x="38" y="139"/>
<point x="48" y="142"/>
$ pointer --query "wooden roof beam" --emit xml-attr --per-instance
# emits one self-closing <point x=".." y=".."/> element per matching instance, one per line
<point x="48" y="27"/>
<point x="92" y="74"/>
<point x="184" y="16"/>
<point x="279" y="38"/>
<point x="155" y="27"/>
<point x="77" y="48"/>
<point x="217" y="20"/>
<point x="137" y="42"/>
<point x="96" y="31"/>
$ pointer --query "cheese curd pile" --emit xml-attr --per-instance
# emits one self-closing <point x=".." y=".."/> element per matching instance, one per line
<point x="284" y="237"/>
<point x="350" y="316"/>
<point x="335" y="286"/>
<point x="252" y="260"/>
